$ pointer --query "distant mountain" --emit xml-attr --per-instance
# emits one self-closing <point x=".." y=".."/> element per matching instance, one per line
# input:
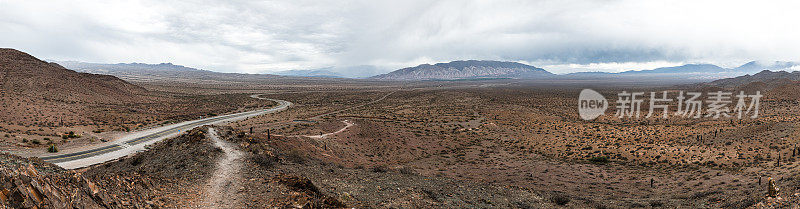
<point x="683" y="69"/>
<point x="767" y="77"/>
<point x="779" y="85"/>
<point x="468" y="69"/>
<point x="358" y="71"/>
<point x="685" y="73"/>
<point x="690" y="73"/>
<point x="160" y="72"/>
<point x="755" y="67"/>
<point x="311" y="73"/>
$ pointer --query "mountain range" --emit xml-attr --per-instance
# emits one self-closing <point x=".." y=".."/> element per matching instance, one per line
<point x="455" y="70"/>
<point x="469" y="69"/>
<point x="311" y="73"/>
<point x="358" y="71"/>
<point x="160" y="72"/>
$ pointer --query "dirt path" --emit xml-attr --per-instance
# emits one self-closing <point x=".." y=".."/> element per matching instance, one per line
<point x="222" y="190"/>
<point x="347" y="125"/>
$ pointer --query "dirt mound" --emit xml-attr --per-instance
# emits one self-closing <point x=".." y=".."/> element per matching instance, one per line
<point x="32" y="183"/>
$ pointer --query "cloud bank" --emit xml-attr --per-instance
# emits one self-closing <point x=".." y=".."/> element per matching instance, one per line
<point x="269" y="36"/>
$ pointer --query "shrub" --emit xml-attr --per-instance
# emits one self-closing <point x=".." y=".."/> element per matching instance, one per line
<point x="52" y="149"/>
<point x="35" y="141"/>
<point x="560" y="199"/>
<point x="295" y="157"/>
<point x="408" y="171"/>
<point x="265" y="161"/>
<point x="599" y="160"/>
<point x="656" y="204"/>
<point x="380" y="169"/>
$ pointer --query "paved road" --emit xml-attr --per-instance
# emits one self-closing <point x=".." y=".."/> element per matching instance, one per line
<point x="136" y="141"/>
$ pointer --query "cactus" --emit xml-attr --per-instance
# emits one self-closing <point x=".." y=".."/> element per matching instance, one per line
<point x="772" y="190"/>
<point x="52" y="148"/>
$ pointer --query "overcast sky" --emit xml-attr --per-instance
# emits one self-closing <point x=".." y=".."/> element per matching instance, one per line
<point x="268" y="36"/>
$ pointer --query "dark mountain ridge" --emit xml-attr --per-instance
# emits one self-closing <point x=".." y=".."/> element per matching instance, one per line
<point x="466" y="70"/>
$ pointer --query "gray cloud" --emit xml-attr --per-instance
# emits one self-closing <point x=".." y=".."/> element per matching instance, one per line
<point x="268" y="36"/>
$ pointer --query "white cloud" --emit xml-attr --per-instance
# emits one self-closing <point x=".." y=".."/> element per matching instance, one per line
<point x="268" y="36"/>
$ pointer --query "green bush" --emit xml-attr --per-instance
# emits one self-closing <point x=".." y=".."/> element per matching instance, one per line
<point x="35" y="141"/>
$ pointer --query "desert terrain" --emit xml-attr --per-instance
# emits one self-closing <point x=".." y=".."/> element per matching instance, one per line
<point x="496" y="143"/>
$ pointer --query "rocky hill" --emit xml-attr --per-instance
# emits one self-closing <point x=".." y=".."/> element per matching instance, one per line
<point x="35" y="92"/>
<point x="22" y="75"/>
<point x="470" y="69"/>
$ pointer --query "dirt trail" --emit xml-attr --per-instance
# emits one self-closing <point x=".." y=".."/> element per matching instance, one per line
<point x="347" y="125"/>
<point x="222" y="190"/>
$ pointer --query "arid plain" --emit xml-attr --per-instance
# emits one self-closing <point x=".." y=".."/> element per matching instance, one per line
<point x="506" y="143"/>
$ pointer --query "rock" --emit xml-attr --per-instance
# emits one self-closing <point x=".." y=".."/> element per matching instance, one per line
<point x="32" y="183"/>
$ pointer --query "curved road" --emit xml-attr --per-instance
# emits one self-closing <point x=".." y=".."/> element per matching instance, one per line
<point x="136" y="141"/>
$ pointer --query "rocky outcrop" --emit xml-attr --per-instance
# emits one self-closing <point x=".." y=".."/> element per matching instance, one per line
<point x="32" y="183"/>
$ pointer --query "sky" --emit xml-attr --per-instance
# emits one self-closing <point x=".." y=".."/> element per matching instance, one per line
<point x="561" y="36"/>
